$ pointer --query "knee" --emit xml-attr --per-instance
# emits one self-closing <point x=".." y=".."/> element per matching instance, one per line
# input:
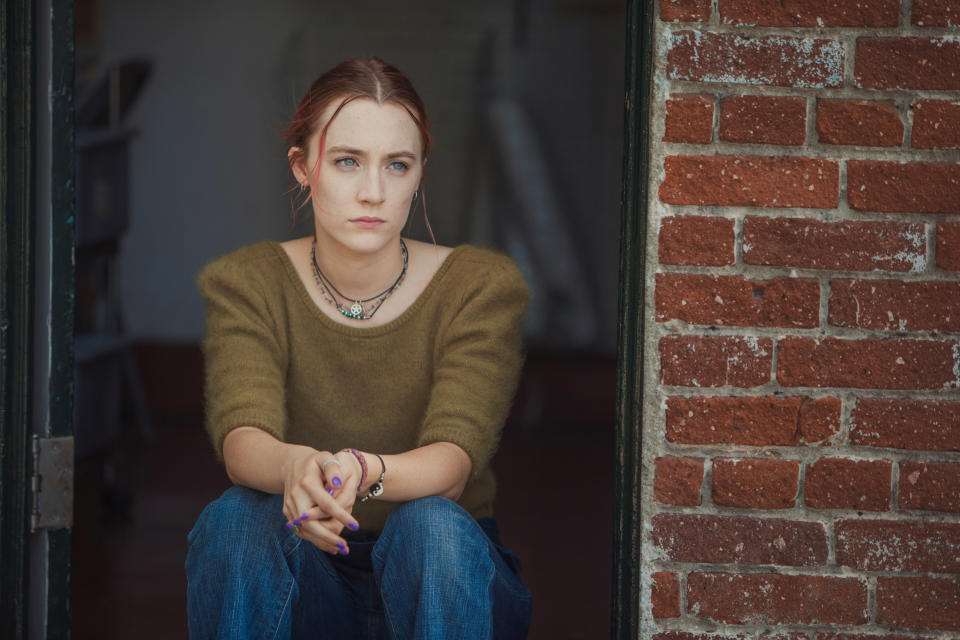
<point x="238" y="517"/>
<point x="436" y="528"/>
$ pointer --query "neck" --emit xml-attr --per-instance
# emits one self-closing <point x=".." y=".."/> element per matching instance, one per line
<point x="359" y="275"/>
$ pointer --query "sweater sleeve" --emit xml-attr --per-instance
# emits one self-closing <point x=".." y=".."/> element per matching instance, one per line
<point x="481" y="354"/>
<point x="244" y="365"/>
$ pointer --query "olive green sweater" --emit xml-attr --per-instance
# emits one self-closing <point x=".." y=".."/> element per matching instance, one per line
<point x="445" y="370"/>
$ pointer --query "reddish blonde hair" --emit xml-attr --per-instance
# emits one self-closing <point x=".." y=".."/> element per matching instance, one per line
<point x="352" y="79"/>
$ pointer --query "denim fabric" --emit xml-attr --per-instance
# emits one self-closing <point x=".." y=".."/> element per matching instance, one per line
<point x="434" y="572"/>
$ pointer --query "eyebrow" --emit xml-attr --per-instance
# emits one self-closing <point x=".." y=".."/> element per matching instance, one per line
<point x="359" y="152"/>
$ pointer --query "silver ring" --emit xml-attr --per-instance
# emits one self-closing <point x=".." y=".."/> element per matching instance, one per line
<point x="323" y="467"/>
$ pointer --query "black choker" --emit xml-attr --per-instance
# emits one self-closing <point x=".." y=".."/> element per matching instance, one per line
<point x="357" y="311"/>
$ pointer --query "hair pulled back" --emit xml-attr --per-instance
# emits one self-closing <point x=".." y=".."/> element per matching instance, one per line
<point x="370" y="78"/>
<point x="352" y="79"/>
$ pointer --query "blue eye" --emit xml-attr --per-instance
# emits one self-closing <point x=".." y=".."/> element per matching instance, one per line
<point x="398" y="166"/>
<point x="346" y="162"/>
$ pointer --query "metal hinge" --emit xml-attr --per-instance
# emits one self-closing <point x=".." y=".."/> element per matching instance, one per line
<point x="51" y="486"/>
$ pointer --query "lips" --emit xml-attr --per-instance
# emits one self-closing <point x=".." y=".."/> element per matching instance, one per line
<point x="367" y="222"/>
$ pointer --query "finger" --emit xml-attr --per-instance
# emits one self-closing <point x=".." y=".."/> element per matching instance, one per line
<point x="334" y="526"/>
<point x="323" y="500"/>
<point x="297" y="502"/>
<point x="332" y="470"/>
<point x="323" y="538"/>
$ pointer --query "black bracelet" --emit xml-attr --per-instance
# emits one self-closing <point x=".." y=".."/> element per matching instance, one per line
<point x="376" y="488"/>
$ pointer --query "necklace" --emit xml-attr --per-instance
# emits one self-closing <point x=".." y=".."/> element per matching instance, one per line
<point x="356" y="311"/>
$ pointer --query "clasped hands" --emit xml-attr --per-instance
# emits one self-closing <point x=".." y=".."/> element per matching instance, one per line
<point x="318" y="497"/>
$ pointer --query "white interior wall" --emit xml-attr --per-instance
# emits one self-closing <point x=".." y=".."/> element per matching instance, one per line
<point x="208" y="167"/>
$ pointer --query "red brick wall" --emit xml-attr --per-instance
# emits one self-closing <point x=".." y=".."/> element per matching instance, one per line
<point x="802" y="412"/>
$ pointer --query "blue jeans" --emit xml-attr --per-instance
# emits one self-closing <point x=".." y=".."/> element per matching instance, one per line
<point x="434" y="572"/>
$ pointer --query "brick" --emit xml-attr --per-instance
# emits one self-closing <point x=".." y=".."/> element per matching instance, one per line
<point x="867" y="364"/>
<point x="936" y="13"/>
<point x="919" y="603"/>
<point x="907" y="63"/>
<point x="678" y="480"/>
<point x="842" y="483"/>
<point x="895" y="305"/>
<point x="902" y="423"/>
<point x="755" y="483"/>
<point x="930" y="486"/>
<point x="808" y="243"/>
<point x="936" y="124"/>
<point x="763" y="119"/>
<point x="689" y="118"/>
<point x="704" y="241"/>
<point x="760" y="599"/>
<point x="898" y="545"/>
<point x="715" y="361"/>
<point x="811" y="13"/>
<point x="751" y="421"/>
<point x="737" y="301"/>
<point x="686" y="635"/>
<point x="750" y="181"/>
<point x="665" y="595"/>
<point x="905" y="187"/>
<point x="859" y="122"/>
<point x="781" y="61"/>
<point x="948" y="245"/>
<point x="719" y="540"/>
<point x="684" y="10"/>
<point x="864" y="636"/>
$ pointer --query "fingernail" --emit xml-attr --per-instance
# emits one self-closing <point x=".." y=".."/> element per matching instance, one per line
<point x="297" y="522"/>
<point x="341" y="545"/>
<point x="290" y="526"/>
<point x="343" y="552"/>
<point x="329" y="490"/>
<point x="336" y="482"/>
<point x="304" y="516"/>
<point x="353" y="525"/>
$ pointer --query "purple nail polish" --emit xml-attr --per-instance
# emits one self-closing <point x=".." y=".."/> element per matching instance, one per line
<point x="353" y="525"/>
<point x="304" y="516"/>
<point x="336" y="482"/>
<point x="297" y="522"/>
<point x="341" y="545"/>
<point x="343" y="552"/>
<point x="290" y="526"/>
<point x="329" y="490"/>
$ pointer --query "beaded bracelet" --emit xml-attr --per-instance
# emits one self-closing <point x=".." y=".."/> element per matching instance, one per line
<point x="363" y="464"/>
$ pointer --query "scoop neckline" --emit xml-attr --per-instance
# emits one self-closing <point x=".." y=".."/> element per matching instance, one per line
<point x="394" y="324"/>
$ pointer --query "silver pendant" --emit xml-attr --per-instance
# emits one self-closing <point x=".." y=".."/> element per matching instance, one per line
<point x="356" y="309"/>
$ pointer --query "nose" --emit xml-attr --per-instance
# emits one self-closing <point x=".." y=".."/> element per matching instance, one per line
<point x="371" y="188"/>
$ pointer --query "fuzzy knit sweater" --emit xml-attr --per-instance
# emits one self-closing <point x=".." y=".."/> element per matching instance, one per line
<point x="445" y="370"/>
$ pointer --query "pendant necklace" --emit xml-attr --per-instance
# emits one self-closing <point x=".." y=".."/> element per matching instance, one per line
<point x="356" y="310"/>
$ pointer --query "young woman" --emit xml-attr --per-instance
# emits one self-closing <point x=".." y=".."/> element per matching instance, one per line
<point x="356" y="386"/>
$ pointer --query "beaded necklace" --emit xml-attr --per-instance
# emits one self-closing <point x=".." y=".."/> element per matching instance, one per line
<point x="357" y="311"/>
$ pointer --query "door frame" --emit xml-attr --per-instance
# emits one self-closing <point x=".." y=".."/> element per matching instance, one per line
<point x="627" y="516"/>
<point x="37" y="293"/>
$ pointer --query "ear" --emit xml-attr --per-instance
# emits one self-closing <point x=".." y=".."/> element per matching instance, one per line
<point x="297" y="159"/>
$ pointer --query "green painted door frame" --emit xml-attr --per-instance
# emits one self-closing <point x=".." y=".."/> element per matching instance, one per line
<point x="625" y="591"/>
<point x="36" y="301"/>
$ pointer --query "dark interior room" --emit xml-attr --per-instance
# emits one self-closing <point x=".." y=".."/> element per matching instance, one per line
<point x="179" y="109"/>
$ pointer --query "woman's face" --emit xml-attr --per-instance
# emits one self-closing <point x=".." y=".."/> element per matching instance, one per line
<point x="371" y="166"/>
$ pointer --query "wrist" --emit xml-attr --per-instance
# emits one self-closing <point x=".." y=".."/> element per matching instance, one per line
<point x="376" y="481"/>
<point x="350" y="464"/>
<point x="361" y="460"/>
